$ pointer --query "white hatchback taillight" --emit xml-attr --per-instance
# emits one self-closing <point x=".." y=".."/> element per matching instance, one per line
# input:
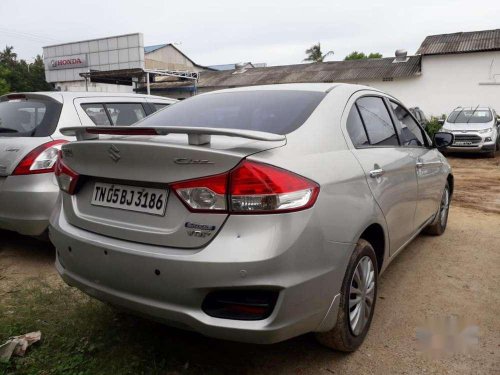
<point x="66" y="177"/>
<point x="41" y="159"/>
<point x="250" y="188"/>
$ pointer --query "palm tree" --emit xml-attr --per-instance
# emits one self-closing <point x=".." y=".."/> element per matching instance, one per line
<point x="314" y="53"/>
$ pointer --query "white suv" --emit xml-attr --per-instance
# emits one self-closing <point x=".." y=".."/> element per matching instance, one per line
<point x="476" y="129"/>
<point x="30" y="141"/>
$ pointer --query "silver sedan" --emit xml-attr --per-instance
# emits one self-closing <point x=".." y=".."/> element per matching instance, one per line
<point x="253" y="214"/>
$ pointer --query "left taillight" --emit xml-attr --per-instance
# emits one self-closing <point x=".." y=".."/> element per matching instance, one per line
<point x="41" y="159"/>
<point x="250" y="188"/>
<point x="66" y="177"/>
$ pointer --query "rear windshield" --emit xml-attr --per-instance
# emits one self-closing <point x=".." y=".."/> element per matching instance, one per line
<point x="278" y="112"/>
<point x="472" y="116"/>
<point x="28" y="117"/>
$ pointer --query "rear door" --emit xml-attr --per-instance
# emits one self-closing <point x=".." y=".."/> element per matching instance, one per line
<point x="427" y="161"/>
<point x="390" y="172"/>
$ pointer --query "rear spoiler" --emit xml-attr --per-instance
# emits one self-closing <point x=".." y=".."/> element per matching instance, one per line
<point x="196" y="136"/>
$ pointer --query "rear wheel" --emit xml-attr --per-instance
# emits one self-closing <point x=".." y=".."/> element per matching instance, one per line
<point x="439" y="226"/>
<point x="357" y="301"/>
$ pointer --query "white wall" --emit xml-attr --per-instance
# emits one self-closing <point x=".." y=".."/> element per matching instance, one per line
<point x="448" y="81"/>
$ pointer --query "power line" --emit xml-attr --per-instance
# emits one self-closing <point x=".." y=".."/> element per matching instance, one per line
<point x="29" y="36"/>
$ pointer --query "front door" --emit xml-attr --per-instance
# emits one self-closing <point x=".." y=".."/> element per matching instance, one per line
<point x="427" y="162"/>
<point x="389" y="170"/>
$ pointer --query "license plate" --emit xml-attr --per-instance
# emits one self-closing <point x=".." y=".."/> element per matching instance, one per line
<point x="130" y="198"/>
<point x="462" y="143"/>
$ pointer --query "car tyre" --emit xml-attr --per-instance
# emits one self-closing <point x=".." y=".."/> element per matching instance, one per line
<point x="346" y="336"/>
<point x="438" y="227"/>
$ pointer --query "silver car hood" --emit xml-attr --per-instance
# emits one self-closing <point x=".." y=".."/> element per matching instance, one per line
<point x="471" y="126"/>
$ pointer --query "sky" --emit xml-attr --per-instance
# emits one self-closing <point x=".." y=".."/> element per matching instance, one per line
<point x="276" y="32"/>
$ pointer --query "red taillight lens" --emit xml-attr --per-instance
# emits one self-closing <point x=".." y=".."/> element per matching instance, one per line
<point x="250" y="188"/>
<point x="262" y="188"/>
<point x="40" y="160"/>
<point x="66" y="177"/>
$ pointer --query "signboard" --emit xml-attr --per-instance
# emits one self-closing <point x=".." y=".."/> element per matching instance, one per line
<point x="68" y="62"/>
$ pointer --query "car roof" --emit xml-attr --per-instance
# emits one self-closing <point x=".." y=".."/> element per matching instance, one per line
<point x="483" y="108"/>
<point x="318" y="87"/>
<point x="70" y="95"/>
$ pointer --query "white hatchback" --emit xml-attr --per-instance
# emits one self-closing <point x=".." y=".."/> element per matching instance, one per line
<point x="30" y="141"/>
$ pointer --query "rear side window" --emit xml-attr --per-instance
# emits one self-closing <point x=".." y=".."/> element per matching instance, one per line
<point x="120" y="114"/>
<point x="273" y="111"/>
<point x="158" y="106"/>
<point x="28" y="117"/>
<point x="411" y="134"/>
<point x="356" y="129"/>
<point x="125" y="113"/>
<point x="377" y="121"/>
<point x="97" y="113"/>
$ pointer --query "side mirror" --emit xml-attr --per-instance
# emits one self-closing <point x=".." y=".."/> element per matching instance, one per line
<point x="442" y="140"/>
<point x="441" y="121"/>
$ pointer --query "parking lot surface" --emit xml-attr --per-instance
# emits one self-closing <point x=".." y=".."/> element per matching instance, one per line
<point x="434" y="277"/>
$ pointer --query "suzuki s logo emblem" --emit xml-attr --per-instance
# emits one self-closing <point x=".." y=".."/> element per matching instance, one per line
<point x="114" y="153"/>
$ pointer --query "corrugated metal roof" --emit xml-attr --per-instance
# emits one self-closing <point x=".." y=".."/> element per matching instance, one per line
<point x="334" y="71"/>
<point x="463" y="42"/>
<point x="148" y="49"/>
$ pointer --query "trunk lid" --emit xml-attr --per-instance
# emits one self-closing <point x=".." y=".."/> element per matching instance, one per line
<point x="137" y="162"/>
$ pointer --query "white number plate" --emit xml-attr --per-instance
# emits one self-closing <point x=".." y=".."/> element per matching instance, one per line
<point x="462" y="143"/>
<point x="131" y="198"/>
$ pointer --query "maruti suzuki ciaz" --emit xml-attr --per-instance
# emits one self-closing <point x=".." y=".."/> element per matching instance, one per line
<point x="253" y="214"/>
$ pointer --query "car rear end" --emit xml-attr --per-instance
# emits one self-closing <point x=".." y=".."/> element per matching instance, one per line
<point x="198" y="234"/>
<point x="28" y="151"/>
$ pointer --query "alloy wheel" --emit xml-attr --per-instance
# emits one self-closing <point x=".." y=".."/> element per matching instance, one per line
<point x="445" y="205"/>
<point x="361" y="295"/>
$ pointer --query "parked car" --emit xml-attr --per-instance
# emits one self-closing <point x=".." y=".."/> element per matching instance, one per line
<point x="274" y="216"/>
<point x="30" y="140"/>
<point x="476" y="129"/>
<point x="419" y="115"/>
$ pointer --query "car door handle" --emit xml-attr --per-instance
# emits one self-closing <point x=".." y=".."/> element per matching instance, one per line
<point x="377" y="173"/>
<point x="419" y="164"/>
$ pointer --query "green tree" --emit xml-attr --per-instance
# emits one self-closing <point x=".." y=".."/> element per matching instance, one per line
<point x="314" y="54"/>
<point x="4" y="85"/>
<point x="17" y="75"/>
<point x="355" y="55"/>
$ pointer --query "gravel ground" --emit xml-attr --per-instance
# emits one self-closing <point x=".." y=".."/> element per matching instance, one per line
<point x="434" y="277"/>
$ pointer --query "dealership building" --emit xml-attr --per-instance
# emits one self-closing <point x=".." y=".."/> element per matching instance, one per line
<point x="115" y="64"/>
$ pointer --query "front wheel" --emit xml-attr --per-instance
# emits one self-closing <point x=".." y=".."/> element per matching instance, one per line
<point x="439" y="225"/>
<point x="357" y="301"/>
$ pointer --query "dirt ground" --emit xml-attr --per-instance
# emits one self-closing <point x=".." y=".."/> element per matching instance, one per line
<point x="434" y="277"/>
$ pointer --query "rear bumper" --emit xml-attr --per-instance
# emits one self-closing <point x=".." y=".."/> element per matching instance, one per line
<point x="307" y="274"/>
<point x="26" y="202"/>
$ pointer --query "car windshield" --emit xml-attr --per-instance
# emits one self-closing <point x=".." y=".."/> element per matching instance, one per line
<point x="273" y="111"/>
<point x="28" y="117"/>
<point x="462" y="116"/>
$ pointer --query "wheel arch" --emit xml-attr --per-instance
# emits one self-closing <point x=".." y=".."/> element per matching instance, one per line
<point x="375" y="235"/>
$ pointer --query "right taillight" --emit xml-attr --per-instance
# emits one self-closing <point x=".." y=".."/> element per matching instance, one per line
<point x="250" y="188"/>
<point x="66" y="177"/>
